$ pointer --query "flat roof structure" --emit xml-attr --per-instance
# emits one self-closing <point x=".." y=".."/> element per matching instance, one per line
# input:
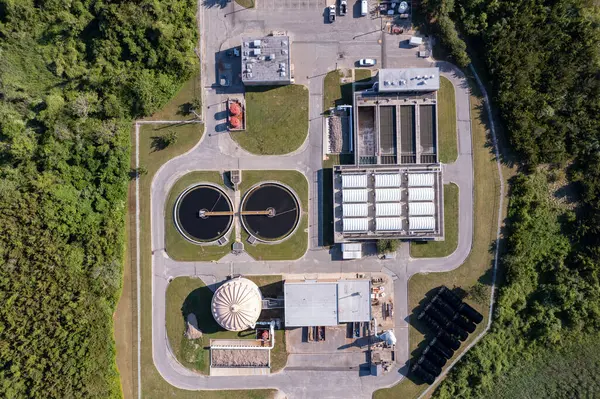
<point x="266" y="61"/>
<point x="319" y="303"/>
<point x="399" y="202"/>
<point x="354" y="300"/>
<point x="408" y="79"/>
<point x="310" y="303"/>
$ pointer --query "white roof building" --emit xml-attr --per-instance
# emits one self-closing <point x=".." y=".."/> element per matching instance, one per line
<point x="421" y="223"/>
<point x="310" y="304"/>
<point x="355" y="195"/>
<point x="388" y="209"/>
<point x="388" y="194"/>
<point x="236" y="305"/>
<point x="314" y="303"/>
<point x="351" y="250"/>
<point x="421" y="208"/>
<point x="355" y="210"/>
<point x="388" y="224"/>
<point x="388" y="180"/>
<point x="392" y="80"/>
<point x="354" y="181"/>
<point x="421" y="194"/>
<point x="355" y="224"/>
<point x="421" y="179"/>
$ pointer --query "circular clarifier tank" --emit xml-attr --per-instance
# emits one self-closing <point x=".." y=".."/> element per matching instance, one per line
<point x="270" y="211"/>
<point x="203" y="213"/>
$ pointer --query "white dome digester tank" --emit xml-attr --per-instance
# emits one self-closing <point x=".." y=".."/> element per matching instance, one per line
<point x="236" y="305"/>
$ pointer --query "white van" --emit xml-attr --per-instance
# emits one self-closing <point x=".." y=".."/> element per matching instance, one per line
<point x="364" y="7"/>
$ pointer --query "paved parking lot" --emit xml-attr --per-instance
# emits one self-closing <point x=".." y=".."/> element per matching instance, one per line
<point x="290" y="4"/>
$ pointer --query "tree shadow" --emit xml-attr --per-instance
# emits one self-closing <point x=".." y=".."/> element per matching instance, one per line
<point x="198" y="302"/>
<point x="158" y="143"/>
<point x="215" y="3"/>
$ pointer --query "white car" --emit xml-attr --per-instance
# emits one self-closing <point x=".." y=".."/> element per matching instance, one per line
<point x="367" y="62"/>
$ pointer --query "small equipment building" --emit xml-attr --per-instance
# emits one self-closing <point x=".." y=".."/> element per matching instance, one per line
<point x="327" y="303"/>
<point x="266" y="61"/>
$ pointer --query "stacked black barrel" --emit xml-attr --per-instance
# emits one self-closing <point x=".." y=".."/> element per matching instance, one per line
<point x="452" y="321"/>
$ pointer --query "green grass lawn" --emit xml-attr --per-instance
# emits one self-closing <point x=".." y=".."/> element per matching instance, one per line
<point x="246" y="3"/>
<point x="477" y="266"/>
<point x="362" y="74"/>
<point x="332" y="89"/>
<point x="438" y="249"/>
<point x="447" y="122"/>
<point x="178" y="247"/>
<point x="177" y="108"/>
<point x="189" y="295"/>
<point x="277" y="120"/>
<point x="294" y="246"/>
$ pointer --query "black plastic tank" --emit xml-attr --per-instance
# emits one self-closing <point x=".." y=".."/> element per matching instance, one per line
<point x="463" y="323"/>
<point x="434" y="357"/>
<point x="436" y="315"/>
<point x="454" y="329"/>
<point x="446" y="309"/>
<point x="429" y="366"/>
<point x="450" y="297"/>
<point x="470" y="313"/>
<point x="423" y="374"/>
<point x="446" y="352"/>
<point x="448" y="340"/>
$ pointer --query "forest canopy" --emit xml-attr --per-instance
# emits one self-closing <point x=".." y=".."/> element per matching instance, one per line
<point x="543" y="62"/>
<point x="73" y="75"/>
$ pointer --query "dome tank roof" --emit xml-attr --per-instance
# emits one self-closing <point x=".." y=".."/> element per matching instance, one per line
<point x="236" y="305"/>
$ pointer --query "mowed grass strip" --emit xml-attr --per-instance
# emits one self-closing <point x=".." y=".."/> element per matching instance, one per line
<point x="176" y="245"/>
<point x="178" y="107"/>
<point x="362" y="75"/>
<point x="332" y="89"/>
<point x="294" y="246"/>
<point x="438" y="249"/>
<point x="246" y="3"/>
<point x="477" y="266"/>
<point x="447" y="135"/>
<point x="277" y="120"/>
<point x="153" y="385"/>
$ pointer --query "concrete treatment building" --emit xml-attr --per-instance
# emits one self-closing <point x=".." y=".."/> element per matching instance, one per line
<point x="394" y="189"/>
<point x="266" y="61"/>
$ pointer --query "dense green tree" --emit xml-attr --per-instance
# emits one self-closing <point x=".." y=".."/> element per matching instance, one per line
<point x="543" y="62"/>
<point x="72" y="76"/>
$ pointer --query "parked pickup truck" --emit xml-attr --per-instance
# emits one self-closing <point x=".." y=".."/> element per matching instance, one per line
<point x="343" y="7"/>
